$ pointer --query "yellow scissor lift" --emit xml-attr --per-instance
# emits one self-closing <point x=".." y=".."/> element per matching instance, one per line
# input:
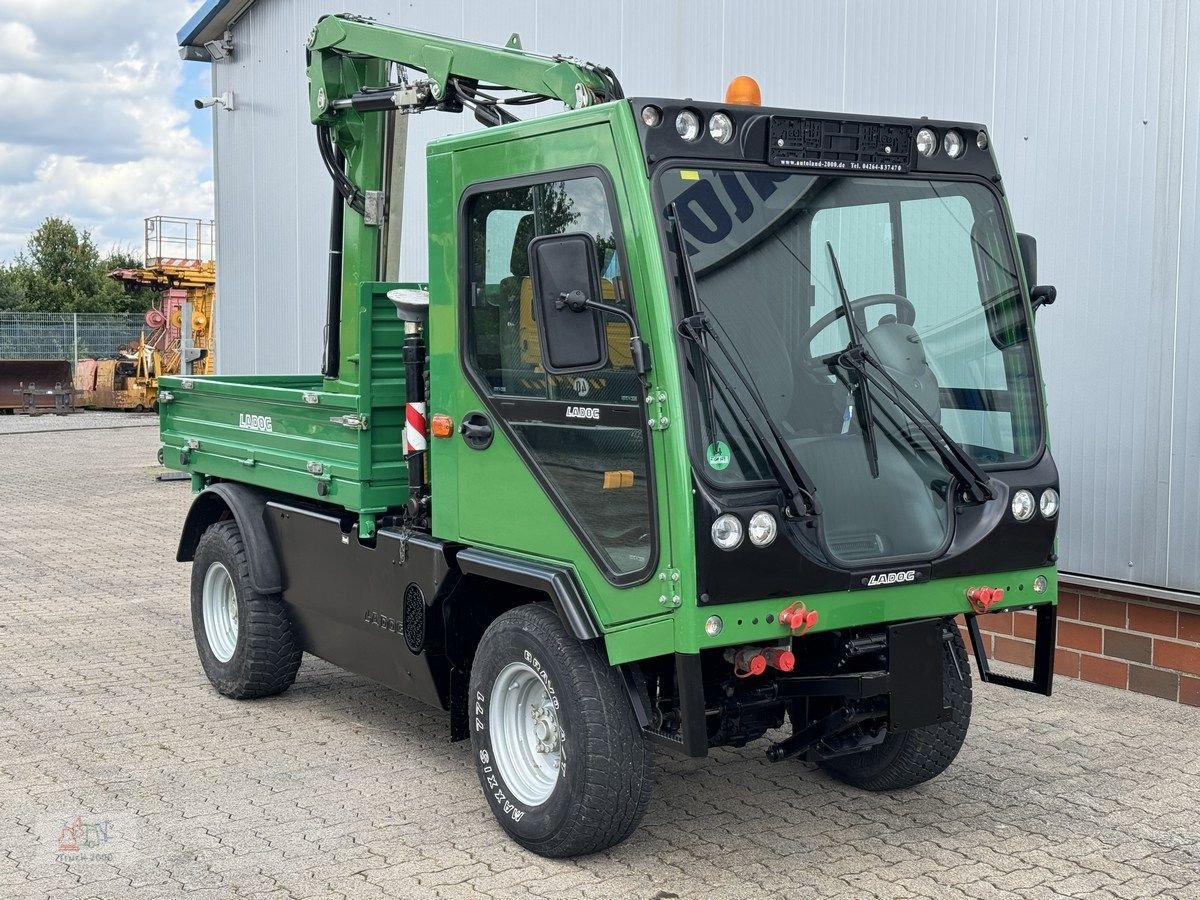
<point x="180" y="265"/>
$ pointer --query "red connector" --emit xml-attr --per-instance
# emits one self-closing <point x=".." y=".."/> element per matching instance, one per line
<point x="747" y="661"/>
<point x="982" y="599"/>
<point x="779" y="658"/>
<point x="798" y="619"/>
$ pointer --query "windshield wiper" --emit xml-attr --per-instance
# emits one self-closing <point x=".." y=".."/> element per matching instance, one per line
<point x="866" y="417"/>
<point x="869" y="370"/>
<point x="695" y="326"/>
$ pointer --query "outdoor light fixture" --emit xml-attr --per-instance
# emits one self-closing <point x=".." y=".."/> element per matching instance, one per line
<point x="713" y="626"/>
<point x="1040" y="584"/>
<point x="220" y="49"/>
<point x="762" y="528"/>
<point x="687" y="124"/>
<point x="1049" y="503"/>
<point x="651" y="115"/>
<point x="720" y="128"/>
<point x="727" y="532"/>
<point x="927" y="142"/>
<point x="981" y="140"/>
<point x="953" y="144"/>
<point x="1022" y="506"/>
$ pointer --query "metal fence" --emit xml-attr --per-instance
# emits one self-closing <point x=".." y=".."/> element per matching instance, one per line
<point x="69" y="336"/>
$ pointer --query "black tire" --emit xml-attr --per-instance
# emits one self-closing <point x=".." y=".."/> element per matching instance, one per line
<point x="607" y="774"/>
<point x="266" y="656"/>
<point x="160" y="455"/>
<point x="911" y="757"/>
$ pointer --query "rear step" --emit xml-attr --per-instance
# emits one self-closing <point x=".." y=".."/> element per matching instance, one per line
<point x="1043" y="654"/>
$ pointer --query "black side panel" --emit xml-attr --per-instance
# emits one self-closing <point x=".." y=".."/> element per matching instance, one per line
<point x="556" y="581"/>
<point x="347" y="599"/>
<point x="246" y="504"/>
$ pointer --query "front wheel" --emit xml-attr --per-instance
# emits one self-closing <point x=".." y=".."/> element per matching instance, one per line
<point x="908" y="758"/>
<point x="560" y="756"/>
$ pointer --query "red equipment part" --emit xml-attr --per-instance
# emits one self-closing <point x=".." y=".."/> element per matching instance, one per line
<point x="780" y="658"/>
<point x="798" y="619"/>
<point x="982" y="599"/>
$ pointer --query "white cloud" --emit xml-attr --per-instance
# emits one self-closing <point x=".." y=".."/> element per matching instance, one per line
<point x="89" y="128"/>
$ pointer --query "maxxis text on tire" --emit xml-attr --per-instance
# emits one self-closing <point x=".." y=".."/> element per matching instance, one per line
<point x="606" y="775"/>
<point x="266" y="655"/>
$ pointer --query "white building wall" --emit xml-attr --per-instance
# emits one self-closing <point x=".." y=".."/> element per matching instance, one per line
<point x="1094" y="112"/>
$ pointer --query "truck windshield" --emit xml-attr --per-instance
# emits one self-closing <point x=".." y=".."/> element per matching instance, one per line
<point x="932" y="283"/>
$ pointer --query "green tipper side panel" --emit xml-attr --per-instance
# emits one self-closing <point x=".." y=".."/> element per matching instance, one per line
<point x="290" y="433"/>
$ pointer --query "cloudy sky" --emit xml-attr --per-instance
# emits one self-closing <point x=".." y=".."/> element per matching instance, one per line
<point x="96" y="118"/>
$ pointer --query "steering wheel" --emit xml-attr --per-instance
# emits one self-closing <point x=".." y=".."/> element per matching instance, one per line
<point x="906" y="314"/>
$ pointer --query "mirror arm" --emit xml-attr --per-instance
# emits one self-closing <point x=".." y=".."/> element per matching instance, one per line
<point x="637" y="347"/>
<point x="1042" y="295"/>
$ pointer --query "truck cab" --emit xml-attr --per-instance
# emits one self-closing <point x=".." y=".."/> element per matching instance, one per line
<point x="708" y="422"/>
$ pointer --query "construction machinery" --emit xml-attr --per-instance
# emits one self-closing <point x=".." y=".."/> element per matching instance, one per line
<point x="711" y="418"/>
<point x="180" y="266"/>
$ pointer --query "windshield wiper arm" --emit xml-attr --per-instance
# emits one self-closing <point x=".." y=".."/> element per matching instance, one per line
<point x="973" y="478"/>
<point x="695" y="325"/>
<point x="866" y="417"/>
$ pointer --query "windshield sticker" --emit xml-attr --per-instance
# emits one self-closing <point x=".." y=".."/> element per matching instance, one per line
<point x="689" y="175"/>
<point x="718" y="456"/>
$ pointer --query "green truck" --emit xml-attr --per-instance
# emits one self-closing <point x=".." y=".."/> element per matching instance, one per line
<point x="709" y="421"/>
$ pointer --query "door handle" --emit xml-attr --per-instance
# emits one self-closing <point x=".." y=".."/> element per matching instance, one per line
<point x="476" y="431"/>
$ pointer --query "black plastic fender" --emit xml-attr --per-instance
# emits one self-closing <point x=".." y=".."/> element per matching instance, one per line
<point x="556" y="581"/>
<point x="245" y="505"/>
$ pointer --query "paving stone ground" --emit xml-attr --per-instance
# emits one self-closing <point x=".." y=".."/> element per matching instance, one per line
<point x="342" y="788"/>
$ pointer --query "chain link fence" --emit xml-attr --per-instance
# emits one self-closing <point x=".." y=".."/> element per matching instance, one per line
<point x="70" y="336"/>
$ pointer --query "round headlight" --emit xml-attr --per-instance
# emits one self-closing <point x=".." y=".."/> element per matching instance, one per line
<point x="1048" y="503"/>
<point x="927" y="142"/>
<point x="727" y="531"/>
<point x="953" y="144"/>
<point x="762" y="528"/>
<point x="981" y="140"/>
<point x="1022" y="506"/>
<point x="651" y="115"/>
<point x="720" y="128"/>
<point x="713" y="626"/>
<point x="1040" y="584"/>
<point x="687" y="124"/>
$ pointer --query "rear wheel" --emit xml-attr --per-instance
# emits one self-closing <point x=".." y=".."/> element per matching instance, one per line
<point x="557" y="746"/>
<point x="908" y="758"/>
<point x="245" y="639"/>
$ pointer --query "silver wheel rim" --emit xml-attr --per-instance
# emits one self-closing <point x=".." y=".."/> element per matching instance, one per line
<point x="527" y="740"/>
<point x="219" y="601"/>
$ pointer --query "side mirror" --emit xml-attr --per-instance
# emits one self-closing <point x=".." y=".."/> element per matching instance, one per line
<point x="1039" y="294"/>
<point x="572" y="333"/>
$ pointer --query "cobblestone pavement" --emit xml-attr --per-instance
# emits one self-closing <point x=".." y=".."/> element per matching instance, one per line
<point x="111" y="736"/>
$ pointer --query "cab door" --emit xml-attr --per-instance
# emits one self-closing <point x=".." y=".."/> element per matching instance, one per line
<point x="557" y="467"/>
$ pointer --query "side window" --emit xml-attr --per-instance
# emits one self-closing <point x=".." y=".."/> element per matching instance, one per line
<point x="583" y="435"/>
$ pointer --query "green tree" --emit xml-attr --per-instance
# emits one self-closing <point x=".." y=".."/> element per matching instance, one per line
<point x="61" y="271"/>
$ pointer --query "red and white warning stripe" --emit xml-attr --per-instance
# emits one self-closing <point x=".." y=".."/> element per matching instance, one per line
<point x="414" y="428"/>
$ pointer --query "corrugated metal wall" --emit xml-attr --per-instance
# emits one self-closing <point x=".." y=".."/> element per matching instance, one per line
<point x="1094" y="108"/>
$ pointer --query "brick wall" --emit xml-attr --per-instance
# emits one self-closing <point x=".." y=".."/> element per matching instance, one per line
<point x="1119" y="640"/>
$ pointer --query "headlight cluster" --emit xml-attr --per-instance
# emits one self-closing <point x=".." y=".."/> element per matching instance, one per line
<point x="1024" y="506"/>
<point x="951" y="143"/>
<point x="728" y="532"/>
<point x="690" y="126"/>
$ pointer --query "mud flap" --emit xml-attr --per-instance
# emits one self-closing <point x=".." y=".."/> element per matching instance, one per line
<point x="915" y="675"/>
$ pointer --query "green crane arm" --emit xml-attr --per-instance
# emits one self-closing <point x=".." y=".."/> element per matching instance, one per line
<point x="339" y="44"/>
